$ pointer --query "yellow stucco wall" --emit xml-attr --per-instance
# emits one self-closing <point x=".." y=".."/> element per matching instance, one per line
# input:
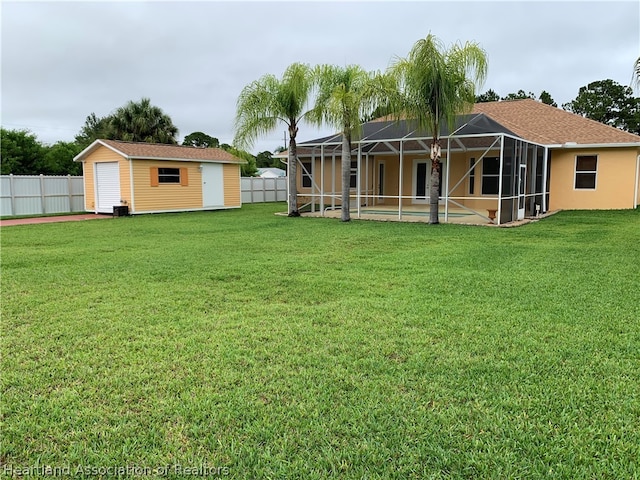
<point x="638" y="181"/>
<point x="103" y="154"/>
<point x="231" y="176"/>
<point x="615" y="180"/>
<point x="166" y="196"/>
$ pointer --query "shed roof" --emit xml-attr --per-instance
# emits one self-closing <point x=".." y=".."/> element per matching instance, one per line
<point x="156" y="151"/>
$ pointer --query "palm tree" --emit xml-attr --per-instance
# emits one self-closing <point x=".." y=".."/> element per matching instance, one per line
<point x="434" y="85"/>
<point x="142" y="122"/>
<point x="636" y="72"/>
<point x="266" y="102"/>
<point x="346" y="97"/>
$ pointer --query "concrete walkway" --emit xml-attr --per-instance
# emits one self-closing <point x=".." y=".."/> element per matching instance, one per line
<point x="53" y="219"/>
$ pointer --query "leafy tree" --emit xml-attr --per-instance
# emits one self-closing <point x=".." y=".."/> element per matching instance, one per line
<point x="58" y="159"/>
<point x="94" y="128"/>
<point x="199" y="139"/>
<point x="21" y="152"/>
<point x="247" y="170"/>
<point x="266" y="102"/>
<point x="545" y="97"/>
<point x="436" y="84"/>
<point x="488" y="96"/>
<point x="264" y="160"/>
<point x="519" y="96"/>
<point x="608" y="102"/>
<point x="142" y="122"/>
<point x="134" y="122"/>
<point x="346" y="97"/>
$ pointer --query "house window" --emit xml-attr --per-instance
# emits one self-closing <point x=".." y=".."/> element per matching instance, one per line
<point x="490" y="175"/>
<point x="168" y="175"/>
<point x="586" y="170"/>
<point x="306" y="175"/>
<point x="472" y="175"/>
<point x="353" y="180"/>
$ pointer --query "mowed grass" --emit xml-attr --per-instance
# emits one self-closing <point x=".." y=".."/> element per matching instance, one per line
<point x="271" y="347"/>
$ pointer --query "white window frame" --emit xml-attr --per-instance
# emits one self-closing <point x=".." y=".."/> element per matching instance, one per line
<point x="585" y="172"/>
<point x="174" y="178"/>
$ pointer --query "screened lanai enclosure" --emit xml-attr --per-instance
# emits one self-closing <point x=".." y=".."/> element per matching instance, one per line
<point x="488" y="174"/>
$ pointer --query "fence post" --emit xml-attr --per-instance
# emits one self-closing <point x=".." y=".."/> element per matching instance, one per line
<point x="42" y="199"/>
<point x="69" y="187"/>
<point x="12" y="192"/>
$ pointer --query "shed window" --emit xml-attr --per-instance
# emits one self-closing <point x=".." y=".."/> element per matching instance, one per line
<point x="586" y="170"/>
<point x="490" y="175"/>
<point x="168" y="175"/>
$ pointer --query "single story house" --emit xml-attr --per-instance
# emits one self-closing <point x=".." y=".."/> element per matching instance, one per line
<point x="153" y="178"/>
<point x="502" y="162"/>
<point x="271" y="172"/>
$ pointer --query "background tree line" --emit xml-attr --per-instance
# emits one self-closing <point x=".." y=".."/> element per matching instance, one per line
<point x="22" y="153"/>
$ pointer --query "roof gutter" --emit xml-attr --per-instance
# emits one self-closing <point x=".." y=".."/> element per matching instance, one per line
<point x="206" y="160"/>
<point x="570" y="145"/>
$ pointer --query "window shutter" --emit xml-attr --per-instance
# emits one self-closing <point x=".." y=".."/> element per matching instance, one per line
<point x="184" y="177"/>
<point x="154" y="176"/>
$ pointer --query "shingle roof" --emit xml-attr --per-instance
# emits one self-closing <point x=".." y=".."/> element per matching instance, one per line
<point x="156" y="151"/>
<point x="541" y="123"/>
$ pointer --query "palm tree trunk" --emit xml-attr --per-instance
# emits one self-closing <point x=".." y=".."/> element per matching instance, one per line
<point x="346" y="177"/>
<point x="434" y="191"/>
<point x="292" y="171"/>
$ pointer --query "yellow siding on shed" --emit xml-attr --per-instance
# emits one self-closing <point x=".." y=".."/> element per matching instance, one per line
<point x="231" y="178"/>
<point x="100" y="155"/>
<point x="166" y="196"/>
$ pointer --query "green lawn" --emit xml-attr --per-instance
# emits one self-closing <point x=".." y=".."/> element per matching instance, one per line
<point x="249" y="345"/>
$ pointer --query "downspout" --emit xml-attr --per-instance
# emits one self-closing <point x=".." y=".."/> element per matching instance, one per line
<point x="500" y="177"/>
<point x="635" y="194"/>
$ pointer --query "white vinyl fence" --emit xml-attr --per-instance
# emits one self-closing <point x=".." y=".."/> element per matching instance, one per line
<point x="43" y="194"/>
<point x="40" y="194"/>
<point x="259" y="190"/>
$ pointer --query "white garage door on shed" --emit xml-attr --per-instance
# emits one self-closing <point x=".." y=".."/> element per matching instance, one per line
<point x="107" y="186"/>
<point x="212" y="185"/>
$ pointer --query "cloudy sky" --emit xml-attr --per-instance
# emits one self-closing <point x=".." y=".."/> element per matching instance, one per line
<point x="62" y="61"/>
